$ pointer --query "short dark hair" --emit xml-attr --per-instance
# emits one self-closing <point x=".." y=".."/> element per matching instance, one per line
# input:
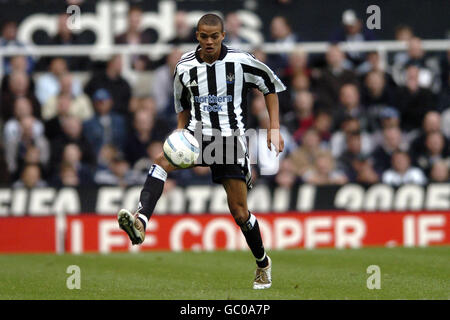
<point x="285" y="20"/>
<point x="134" y="8"/>
<point x="210" y="19"/>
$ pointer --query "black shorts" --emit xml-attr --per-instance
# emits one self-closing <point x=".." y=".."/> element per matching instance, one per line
<point x="227" y="157"/>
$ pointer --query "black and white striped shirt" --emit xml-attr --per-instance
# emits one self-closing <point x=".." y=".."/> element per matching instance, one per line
<point x="216" y="93"/>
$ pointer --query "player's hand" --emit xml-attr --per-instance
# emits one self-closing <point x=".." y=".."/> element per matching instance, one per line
<point x="274" y="137"/>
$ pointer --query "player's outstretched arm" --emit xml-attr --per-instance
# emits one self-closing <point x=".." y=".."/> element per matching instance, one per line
<point x="274" y="135"/>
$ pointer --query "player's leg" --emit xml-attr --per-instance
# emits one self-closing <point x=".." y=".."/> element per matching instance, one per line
<point x="135" y="225"/>
<point x="236" y="190"/>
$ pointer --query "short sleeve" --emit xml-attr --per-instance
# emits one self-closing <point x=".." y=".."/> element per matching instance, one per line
<point x="260" y="75"/>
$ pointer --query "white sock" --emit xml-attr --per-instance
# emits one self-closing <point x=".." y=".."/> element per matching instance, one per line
<point x="144" y="218"/>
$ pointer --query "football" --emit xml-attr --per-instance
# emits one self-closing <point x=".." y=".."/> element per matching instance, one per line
<point x="181" y="148"/>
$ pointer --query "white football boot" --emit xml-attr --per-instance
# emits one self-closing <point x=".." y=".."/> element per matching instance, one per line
<point x="132" y="226"/>
<point x="263" y="276"/>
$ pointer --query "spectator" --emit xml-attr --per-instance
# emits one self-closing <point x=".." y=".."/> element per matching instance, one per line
<point x="184" y="31"/>
<point x="140" y="169"/>
<point x="350" y="106"/>
<point x="329" y="80"/>
<point x="106" y="126"/>
<point x="134" y="36"/>
<point x="286" y="176"/>
<point x="67" y="177"/>
<point x="163" y="123"/>
<point x="9" y="38"/>
<point x="17" y="64"/>
<point x="431" y="122"/>
<point x="282" y="34"/>
<point x="18" y="87"/>
<point x="65" y="36"/>
<point x="30" y="178"/>
<point x="72" y="156"/>
<point x="437" y="148"/>
<point x="323" y="123"/>
<point x="162" y="86"/>
<point x="364" y="171"/>
<point x="352" y="30"/>
<point x="296" y="75"/>
<point x="338" y="139"/>
<point x="298" y="63"/>
<point x="54" y="125"/>
<point x="48" y="84"/>
<point x="142" y="133"/>
<point x="118" y="173"/>
<point x="71" y="134"/>
<point x="281" y="31"/>
<point x="413" y="102"/>
<point x="428" y="70"/>
<point x="392" y="141"/>
<point x="401" y="171"/>
<point x="373" y="62"/>
<point x="233" y="35"/>
<point x="376" y="91"/>
<point x="376" y="96"/>
<point x="141" y="166"/>
<point x="79" y="106"/>
<point x="304" y="158"/>
<point x="17" y="147"/>
<point x="324" y="171"/>
<point x="12" y="127"/>
<point x="302" y="118"/>
<point x="300" y="82"/>
<point x="112" y="81"/>
<point x="440" y="172"/>
<point x="106" y="156"/>
<point x="403" y="33"/>
<point x="9" y="34"/>
<point x="388" y="117"/>
<point x="353" y="158"/>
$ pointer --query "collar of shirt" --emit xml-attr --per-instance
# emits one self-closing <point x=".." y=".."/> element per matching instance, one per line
<point x="223" y="53"/>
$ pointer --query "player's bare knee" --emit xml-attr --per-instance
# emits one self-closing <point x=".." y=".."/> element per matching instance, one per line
<point x="240" y="213"/>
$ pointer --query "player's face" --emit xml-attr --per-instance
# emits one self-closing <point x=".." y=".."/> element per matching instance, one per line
<point x="210" y="39"/>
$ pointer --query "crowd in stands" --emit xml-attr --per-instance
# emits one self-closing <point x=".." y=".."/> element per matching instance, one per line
<point x="345" y="117"/>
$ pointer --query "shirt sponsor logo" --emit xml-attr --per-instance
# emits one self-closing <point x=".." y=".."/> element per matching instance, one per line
<point x="212" y="108"/>
<point x="212" y="103"/>
<point x="212" y="99"/>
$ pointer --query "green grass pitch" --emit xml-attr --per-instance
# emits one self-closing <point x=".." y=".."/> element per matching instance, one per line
<point x="406" y="273"/>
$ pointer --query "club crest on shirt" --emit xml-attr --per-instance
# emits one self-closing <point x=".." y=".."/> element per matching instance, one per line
<point x="230" y="78"/>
